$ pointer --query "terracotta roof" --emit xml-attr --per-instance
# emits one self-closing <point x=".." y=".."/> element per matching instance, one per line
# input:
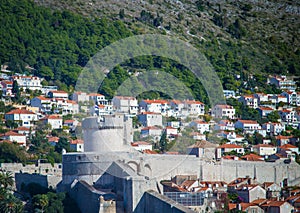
<point x="176" y="101"/>
<point x="95" y="94"/>
<point x="266" y="108"/>
<point x="51" y="117"/>
<point x="193" y="102"/>
<point x="231" y="157"/>
<point x="68" y="121"/>
<point x="125" y="97"/>
<point x="71" y="102"/>
<point x="53" y="139"/>
<point x="156" y="101"/>
<point x="43" y="98"/>
<point x="224" y="106"/>
<point x="273" y="203"/>
<point x="187" y="183"/>
<point x="287" y="146"/>
<point x="138" y="143"/>
<point x="150" y="113"/>
<point x="244" y="206"/>
<point x="231" y="206"/>
<point x="267" y="184"/>
<point x="259" y="201"/>
<point x="148" y="151"/>
<point x="200" y="122"/>
<point x="248" y="121"/>
<point x="281" y="137"/>
<point x="252" y="157"/>
<point x="230" y="146"/>
<point x="22" y="128"/>
<point x="169" y="127"/>
<point x="264" y="145"/>
<point x="150" y="127"/>
<point x="59" y="92"/>
<point x="20" y="111"/>
<point x="77" y="141"/>
<point x="12" y="133"/>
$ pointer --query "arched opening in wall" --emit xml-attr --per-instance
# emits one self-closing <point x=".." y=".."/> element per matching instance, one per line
<point x="148" y="170"/>
<point x="134" y="165"/>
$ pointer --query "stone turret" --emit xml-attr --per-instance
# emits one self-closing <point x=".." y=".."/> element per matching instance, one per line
<point x="107" y="133"/>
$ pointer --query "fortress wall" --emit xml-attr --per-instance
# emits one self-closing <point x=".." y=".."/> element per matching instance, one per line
<point x="91" y="166"/>
<point x="263" y="171"/>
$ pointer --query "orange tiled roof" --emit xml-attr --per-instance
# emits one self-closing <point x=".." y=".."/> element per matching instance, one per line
<point x="287" y="146"/>
<point x="137" y="143"/>
<point x="252" y="157"/>
<point x="20" y="111"/>
<point x="230" y="146"/>
<point x="148" y="151"/>
<point x="193" y="102"/>
<point x="156" y="101"/>
<point x="248" y="121"/>
<point x="77" y="141"/>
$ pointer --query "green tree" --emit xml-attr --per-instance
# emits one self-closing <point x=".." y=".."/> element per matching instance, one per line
<point x="40" y="201"/>
<point x="63" y="143"/>
<point x="273" y="116"/>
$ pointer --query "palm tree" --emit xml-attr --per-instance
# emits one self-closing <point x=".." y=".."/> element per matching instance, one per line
<point x="6" y="179"/>
<point x="41" y="201"/>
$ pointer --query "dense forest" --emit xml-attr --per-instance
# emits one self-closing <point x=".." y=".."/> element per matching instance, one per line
<point x="58" y="43"/>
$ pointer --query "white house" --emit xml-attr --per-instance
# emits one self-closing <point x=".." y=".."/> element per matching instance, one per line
<point x="194" y="107"/>
<point x="225" y="125"/>
<point x="229" y="93"/>
<point x="262" y="97"/>
<point x="98" y="98"/>
<point x="58" y="94"/>
<point x="203" y="149"/>
<point x="177" y="106"/>
<point x="55" y="121"/>
<point x="228" y="148"/>
<point x="158" y="106"/>
<point x="141" y="145"/>
<point x="264" y="111"/>
<point x="249" y="100"/>
<point x="150" y="119"/>
<point x="292" y="97"/>
<point x="28" y="82"/>
<point x="290" y="147"/>
<point x="171" y="132"/>
<point x="126" y="104"/>
<point x="221" y="110"/>
<point x="282" y="82"/>
<point x="101" y="109"/>
<point x="264" y="149"/>
<point x="251" y="192"/>
<point x="44" y="104"/>
<point x="7" y="88"/>
<point x="288" y="115"/>
<point x="12" y="136"/>
<point x="22" y="116"/>
<point x="273" y="128"/>
<point x="247" y="125"/>
<point x="201" y="126"/>
<point x="231" y="136"/>
<point x="151" y="131"/>
<point x="80" y="97"/>
<point x="77" y="145"/>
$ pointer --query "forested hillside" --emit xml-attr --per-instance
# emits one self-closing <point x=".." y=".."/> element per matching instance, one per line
<point x="56" y="43"/>
<point x="244" y="41"/>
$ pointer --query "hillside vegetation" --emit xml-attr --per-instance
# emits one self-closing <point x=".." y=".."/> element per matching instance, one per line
<point x="245" y="41"/>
